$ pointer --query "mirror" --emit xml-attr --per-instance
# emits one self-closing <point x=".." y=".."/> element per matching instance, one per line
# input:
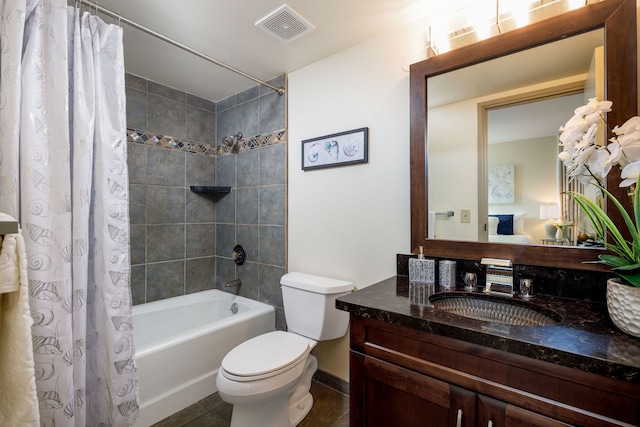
<point x="511" y="108"/>
<point x="617" y="18"/>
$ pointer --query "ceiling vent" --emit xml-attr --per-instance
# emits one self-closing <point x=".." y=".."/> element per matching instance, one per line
<point x="285" y="25"/>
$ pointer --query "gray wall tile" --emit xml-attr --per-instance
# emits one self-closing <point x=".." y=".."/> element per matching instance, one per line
<point x="138" y="244"/>
<point x="165" y="205"/>
<point x="200" y="274"/>
<point x="165" y="280"/>
<point x="225" y="104"/>
<point x="200" y="240"/>
<point x="165" y="243"/>
<point x="225" y="240"/>
<point x="165" y="167"/>
<point x="200" y="207"/>
<point x="201" y="103"/>
<point x="201" y="125"/>
<point x="182" y="241"/>
<point x="248" y="94"/>
<point x="166" y="115"/>
<point x="225" y="272"/>
<point x="137" y="163"/>
<point x="166" y="92"/>
<point x="226" y="170"/>
<point x="226" y="209"/>
<point x="136" y="82"/>
<point x="270" y="284"/>
<point x="226" y="124"/>
<point x="247" y="206"/>
<point x="200" y="170"/>
<point x="248" y="237"/>
<point x="138" y="284"/>
<point x="272" y="112"/>
<point x="248" y="118"/>
<point x="273" y="164"/>
<point x="137" y="204"/>
<point x="136" y="109"/>
<point x="248" y="168"/>
<point x="272" y="241"/>
<point x="249" y="274"/>
<point x="272" y="205"/>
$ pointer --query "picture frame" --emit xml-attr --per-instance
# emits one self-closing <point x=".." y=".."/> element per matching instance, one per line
<point x="338" y="149"/>
<point x="502" y="184"/>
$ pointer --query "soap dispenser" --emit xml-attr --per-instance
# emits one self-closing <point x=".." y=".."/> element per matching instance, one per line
<point x="422" y="270"/>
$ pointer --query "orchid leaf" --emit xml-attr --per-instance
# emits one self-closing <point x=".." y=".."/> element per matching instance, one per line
<point x="633" y="278"/>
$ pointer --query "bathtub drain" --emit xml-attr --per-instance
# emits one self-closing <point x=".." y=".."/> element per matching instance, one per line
<point x="234" y="308"/>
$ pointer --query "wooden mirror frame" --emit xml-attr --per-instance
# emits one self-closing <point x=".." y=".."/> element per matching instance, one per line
<point x="618" y="18"/>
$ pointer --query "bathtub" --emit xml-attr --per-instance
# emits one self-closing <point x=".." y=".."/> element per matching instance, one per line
<point x="180" y="343"/>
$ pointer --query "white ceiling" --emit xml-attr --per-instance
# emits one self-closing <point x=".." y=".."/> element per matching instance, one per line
<point x="225" y="30"/>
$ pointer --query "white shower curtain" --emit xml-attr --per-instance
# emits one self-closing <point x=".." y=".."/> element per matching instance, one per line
<point x="63" y="174"/>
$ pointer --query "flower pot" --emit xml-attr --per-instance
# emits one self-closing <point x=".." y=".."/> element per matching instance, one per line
<point x="623" y="303"/>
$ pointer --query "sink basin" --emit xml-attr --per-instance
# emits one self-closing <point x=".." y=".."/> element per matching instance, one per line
<point x="494" y="309"/>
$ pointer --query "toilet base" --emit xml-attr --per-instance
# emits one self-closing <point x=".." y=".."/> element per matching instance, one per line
<point x="287" y="410"/>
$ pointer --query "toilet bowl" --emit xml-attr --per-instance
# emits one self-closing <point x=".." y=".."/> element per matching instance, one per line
<point x="269" y="391"/>
<point x="267" y="378"/>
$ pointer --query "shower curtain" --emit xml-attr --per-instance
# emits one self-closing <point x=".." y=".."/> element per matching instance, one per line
<point x="63" y="174"/>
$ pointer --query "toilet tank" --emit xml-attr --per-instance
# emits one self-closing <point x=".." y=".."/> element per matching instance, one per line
<point x="310" y="305"/>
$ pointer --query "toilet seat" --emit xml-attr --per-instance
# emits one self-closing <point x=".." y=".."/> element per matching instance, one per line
<point x="265" y="356"/>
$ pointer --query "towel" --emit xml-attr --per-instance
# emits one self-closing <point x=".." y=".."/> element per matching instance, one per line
<point x="18" y="399"/>
<point x="431" y="224"/>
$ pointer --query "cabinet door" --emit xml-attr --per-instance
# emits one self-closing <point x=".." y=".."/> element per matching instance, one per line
<point x="495" y="413"/>
<point x="389" y="395"/>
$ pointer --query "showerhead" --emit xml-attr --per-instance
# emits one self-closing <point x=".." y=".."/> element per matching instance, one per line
<point x="232" y="140"/>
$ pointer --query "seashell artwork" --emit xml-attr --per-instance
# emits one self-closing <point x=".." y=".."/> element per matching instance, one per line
<point x="333" y="148"/>
<point x="336" y="150"/>
<point x="313" y="153"/>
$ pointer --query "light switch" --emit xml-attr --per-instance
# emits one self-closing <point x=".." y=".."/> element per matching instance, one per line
<point x="465" y="215"/>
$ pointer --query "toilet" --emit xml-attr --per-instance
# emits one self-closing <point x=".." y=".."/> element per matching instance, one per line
<point x="267" y="378"/>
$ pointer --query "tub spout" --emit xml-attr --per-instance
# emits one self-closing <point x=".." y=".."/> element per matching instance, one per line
<point x="234" y="284"/>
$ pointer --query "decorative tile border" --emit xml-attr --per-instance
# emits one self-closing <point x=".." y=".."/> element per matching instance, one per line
<point x="171" y="143"/>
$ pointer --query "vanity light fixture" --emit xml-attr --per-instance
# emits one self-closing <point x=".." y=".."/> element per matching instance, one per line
<point x="484" y="19"/>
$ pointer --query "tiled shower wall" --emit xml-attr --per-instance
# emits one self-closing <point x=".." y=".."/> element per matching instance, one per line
<point x="181" y="241"/>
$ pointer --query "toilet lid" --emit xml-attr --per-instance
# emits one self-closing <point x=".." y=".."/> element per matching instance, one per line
<point x="266" y="355"/>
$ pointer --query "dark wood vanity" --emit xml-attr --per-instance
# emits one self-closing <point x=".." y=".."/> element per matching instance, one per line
<point x="412" y="365"/>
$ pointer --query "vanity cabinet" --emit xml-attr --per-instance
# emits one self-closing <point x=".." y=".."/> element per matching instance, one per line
<point x="408" y="377"/>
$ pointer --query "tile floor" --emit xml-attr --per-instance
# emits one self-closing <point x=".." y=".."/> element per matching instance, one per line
<point x="330" y="409"/>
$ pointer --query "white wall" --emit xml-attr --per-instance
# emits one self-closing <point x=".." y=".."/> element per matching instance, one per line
<point x="350" y="222"/>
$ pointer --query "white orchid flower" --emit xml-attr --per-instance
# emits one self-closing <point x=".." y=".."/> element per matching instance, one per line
<point x="630" y="174"/>
<point x="631" y="125"/>
<point x="600" y="163"/>
<point x="593" y="105"/>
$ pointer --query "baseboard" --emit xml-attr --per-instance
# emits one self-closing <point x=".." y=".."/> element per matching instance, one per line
<point x="332" y="381"/>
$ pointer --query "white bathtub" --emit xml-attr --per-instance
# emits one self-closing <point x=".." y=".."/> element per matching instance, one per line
<point x="180" y="343"/>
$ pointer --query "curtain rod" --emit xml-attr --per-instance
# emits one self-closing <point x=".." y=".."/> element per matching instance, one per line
<point x="144" y="29"/>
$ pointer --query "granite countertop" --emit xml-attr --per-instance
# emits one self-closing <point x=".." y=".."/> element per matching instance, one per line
<point x="584" y="339"/>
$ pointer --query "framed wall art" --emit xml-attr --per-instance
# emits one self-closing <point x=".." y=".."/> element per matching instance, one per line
<point x="338" y="149"/>
<point x="501" y="184"/>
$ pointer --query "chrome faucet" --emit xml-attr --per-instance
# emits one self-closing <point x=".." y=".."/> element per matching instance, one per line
<point x="234" y="284"/>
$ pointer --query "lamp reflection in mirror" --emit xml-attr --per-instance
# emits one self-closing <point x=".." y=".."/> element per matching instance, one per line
<point x="553" y="214"/>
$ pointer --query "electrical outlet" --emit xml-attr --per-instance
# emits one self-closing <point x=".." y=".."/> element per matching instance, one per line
<point x="465" y="215"/>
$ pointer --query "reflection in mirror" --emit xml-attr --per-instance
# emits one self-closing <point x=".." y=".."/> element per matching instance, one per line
<point x="498" y="122"/>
